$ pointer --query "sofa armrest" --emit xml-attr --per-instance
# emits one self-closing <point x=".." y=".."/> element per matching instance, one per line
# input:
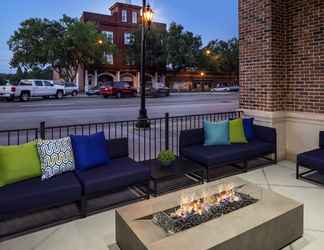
<point x="266" y="134"/>
<point x="190" y="137"/>
<point x="117" y="148"/>
<point x="321" y="139"/>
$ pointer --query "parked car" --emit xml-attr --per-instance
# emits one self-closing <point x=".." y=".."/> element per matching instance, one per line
<point x="234" y="88"/>
<point x="7" y="91"/>
<point x="159" y="92"/>
<point x="93" y="91"/>
<point x="28" y="88"/>
<point x="226" y="89"/>
<point x="118" y="89"/>
<point x="71" y="89"/>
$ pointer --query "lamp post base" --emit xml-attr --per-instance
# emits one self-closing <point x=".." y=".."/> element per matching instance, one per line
<point x="142" y="121"/>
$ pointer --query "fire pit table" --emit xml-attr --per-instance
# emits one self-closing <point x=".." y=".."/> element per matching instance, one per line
<point x="227" y="214"/>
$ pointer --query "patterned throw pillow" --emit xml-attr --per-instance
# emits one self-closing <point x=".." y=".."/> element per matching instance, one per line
<point x="56" y="157"/>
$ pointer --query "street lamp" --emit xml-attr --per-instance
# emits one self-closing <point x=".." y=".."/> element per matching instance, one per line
<point x="147" y="17"/>
<point x="202" y="74"/>
<point x="208" y="52"/>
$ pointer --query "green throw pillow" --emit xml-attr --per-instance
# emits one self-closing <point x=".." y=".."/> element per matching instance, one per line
<point x="18" y="163"/>
<point x="236" y="131"/>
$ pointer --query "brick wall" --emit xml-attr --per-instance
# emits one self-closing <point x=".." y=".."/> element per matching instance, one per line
<point x="305" y="44"/>
<point x="282" y="55"/>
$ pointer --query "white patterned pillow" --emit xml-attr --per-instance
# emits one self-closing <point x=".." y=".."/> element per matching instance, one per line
<point x="56" y="157"/>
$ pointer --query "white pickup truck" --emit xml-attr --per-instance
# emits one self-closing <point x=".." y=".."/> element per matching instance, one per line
<point x="7" y="91"/>
<point x="28" y="88"/>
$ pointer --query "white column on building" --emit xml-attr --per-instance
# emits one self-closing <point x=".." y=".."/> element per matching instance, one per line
<point x="86" y="81"/>
<point x="96" y="78"/>
<point x="156" y="80"/>
<point x="138" y="80"/>
<point x="118" y="76"/>
<point x="77" y="80"/>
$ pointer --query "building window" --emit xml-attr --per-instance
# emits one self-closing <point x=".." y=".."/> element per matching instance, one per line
<point x="110" y="58"/>
<point x="124" y="16"/>
<point x="127" y="38"/>
<point x="109" y="35"/>
<point x="134" y="17"/>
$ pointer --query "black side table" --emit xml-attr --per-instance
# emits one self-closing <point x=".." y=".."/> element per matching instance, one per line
<point x="181" y="174"/>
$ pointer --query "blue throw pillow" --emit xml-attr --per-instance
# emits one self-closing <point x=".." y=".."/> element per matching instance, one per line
<point x="216" y="133"/>
<point x="248" y="128"/>
<point x="90" y="151"/>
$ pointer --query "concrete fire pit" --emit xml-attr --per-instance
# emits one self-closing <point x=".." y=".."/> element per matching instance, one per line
<point x="269" y="224"/>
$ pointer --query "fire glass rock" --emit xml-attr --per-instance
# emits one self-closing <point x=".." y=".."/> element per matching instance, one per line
<point x="173" y="223"/>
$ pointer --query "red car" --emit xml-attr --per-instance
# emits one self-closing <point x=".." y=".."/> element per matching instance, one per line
<point x="119" y="90"/>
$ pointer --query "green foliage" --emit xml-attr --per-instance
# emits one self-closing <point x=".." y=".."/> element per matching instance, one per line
<point x="223" y="57"/>
<point x="166" y="156"/>
<point x="156" y="51"/>
<point x="34" y="73"/>
<point x="63" y="45"/>
<point x="180" y="49"/>
<point x="183" y="48"/>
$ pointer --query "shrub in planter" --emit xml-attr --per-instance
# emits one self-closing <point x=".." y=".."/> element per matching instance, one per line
<point x="166" y="157"/>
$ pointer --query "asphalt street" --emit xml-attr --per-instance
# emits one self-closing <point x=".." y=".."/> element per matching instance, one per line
<point x="78" y="110"/>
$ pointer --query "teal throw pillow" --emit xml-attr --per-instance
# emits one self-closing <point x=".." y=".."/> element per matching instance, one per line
<point x="216" y="133"/>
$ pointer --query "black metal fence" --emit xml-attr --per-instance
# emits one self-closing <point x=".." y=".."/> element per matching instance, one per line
<point x="144" y="144"/>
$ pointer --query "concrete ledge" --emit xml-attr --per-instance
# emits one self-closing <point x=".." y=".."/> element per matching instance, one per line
<point x="297" y="131"/>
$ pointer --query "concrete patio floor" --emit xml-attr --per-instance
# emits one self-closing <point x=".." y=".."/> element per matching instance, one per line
<point x="98" y="232"/>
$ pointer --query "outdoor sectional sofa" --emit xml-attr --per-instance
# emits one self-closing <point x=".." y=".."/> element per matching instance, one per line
<point x="191" y="146"/>
<point x="314" y="161"/>
<point x="34" y="195"/>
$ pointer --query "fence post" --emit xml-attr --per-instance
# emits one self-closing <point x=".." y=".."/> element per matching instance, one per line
<point x="166" y="129"/>
<point x="42" y="130"/>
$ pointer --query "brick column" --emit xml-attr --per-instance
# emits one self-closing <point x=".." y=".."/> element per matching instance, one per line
<point x="262" y="54"/>
<point x="281" y="69"/>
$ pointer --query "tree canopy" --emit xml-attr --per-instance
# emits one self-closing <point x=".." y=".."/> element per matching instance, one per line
<point x="63" y="45"/>
<point x="223" y="56"/>
<point x="183" y="48"/>
<point x="156" y="56"/>
<point x="180" y="49"/>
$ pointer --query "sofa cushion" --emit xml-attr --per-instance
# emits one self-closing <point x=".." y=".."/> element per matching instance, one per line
<point x="236" y="131"/>
<point x="216" y="133"/>
<point x="56" y="157"/>
<point x="120" y="173"/>
<point x="18" y="163"/>
<point x="90" y="151"/>
<point x="313" y="159"/>
<point x="248" y="128"/>
<point x="37" y="194"/>
<point x="221" y="154"/>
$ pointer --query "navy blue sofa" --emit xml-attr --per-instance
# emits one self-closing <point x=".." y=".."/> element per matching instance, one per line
<point x="191" y="146"/>
<point x="122" y="172"/>
<point x="34" y="195"/>
<point x="313" y="160"/>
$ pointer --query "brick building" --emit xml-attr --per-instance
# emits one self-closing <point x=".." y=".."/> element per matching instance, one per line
<point x="282" y="69"/>
<point x="124" y="19"/>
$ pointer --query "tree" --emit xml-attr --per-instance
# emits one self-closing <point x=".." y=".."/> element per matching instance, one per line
<point x="64" y="45"/>
<point x="183" y="48"/>
<point x="223" y="57"/>
<point x="156" y="51"/>
<point x="177" y="48"/>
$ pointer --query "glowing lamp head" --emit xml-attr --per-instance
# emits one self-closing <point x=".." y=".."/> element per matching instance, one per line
<point x="208" y="52"/>
<point x="100" y="41"/>
<point x="148" y="15"/>
<point x="202" y="74"/>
